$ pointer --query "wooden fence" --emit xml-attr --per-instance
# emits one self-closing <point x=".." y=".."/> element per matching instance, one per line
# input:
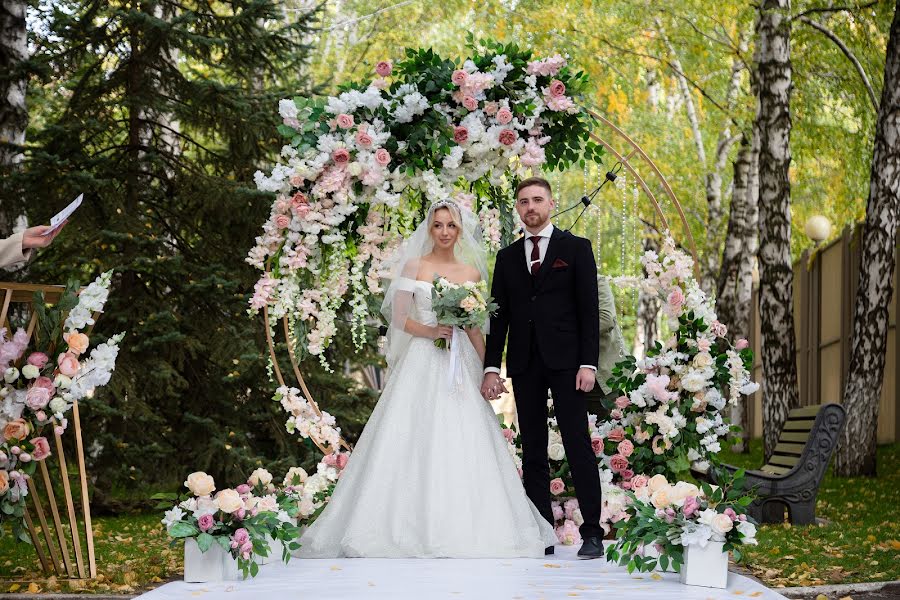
<point x="825" y="283"/>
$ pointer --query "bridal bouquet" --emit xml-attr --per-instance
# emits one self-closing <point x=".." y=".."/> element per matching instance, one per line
<point x="461" y="305"/>
<point x="41" y="378"/>
<point x="242" y="521"/>
<point x="668" y="518"/>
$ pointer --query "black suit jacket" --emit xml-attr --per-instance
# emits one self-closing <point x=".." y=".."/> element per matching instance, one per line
<point x="559" y="306"/>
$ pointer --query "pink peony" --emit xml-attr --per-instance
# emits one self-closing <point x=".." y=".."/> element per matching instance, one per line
<point x="469" y="103"/>
<point x="206" y="522"/>
<point x="340" y="156"/>
<point x="509" y="434"/>
<point x="729" y="512"/>
<point x="38" y="359"/>
<point x="625" y="448"/>
<point x="344" y="121"/>
<point x="618" y="463"/>
<point x="557" y="487"/>
<point x="490" y="108"/>
<point x="37" y="398"/>
<point x="508" y="137"/>
<point x="384" y="68"/>
<point x="557" y="88"/>
<point x="244" y="488"/>
<point x="240" y="537"/>
<point x="639" y="481"/>
<point x="741" y="344"/>
<point x="558" y="513"/>
<point x="459" y="77"/>
<point x="363" y="139"/>
<point x="382" y="157"/>
<point x="597" y="445"/>
<point x="68" y="364"/>
<point x="616" y="435"/>
<point x="41" y="448"/>
<point x="342" y="460"/>
<point x="626" y="474"/>
<point x="622" y="402"/>
<point x="460" y="134"/>
<point x="46" y="383"/>
<point x="504" y="116"/>
<point x="41" y="416"/>
<point x="691" y="506"/>
<point x="675" y="300"/>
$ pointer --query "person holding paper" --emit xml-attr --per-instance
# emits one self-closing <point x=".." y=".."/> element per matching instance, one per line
<point x="20" y="246"/>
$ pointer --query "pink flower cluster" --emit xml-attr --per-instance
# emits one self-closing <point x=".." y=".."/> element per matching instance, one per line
<point x="548" y="67"/>
<point x="242" y="543"/>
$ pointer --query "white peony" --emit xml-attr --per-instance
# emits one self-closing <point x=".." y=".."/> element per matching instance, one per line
<point x="229" y="501"/>
<point x="260" y="477"/>
<point x="11" y="375"/>
<point x="57" y="405"/>
<point x="297" y="474"/>
<point x="30" y="372"/>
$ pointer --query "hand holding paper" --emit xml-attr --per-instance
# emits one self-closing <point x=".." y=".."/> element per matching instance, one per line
<point x="59" y="219"/>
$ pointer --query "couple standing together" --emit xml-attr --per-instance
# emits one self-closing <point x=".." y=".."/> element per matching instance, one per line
<point x="431" y="475"/>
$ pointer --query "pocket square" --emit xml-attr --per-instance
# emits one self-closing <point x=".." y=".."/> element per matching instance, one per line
<point x="560" y="264"/>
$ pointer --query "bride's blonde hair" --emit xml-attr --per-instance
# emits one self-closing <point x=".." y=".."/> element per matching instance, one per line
<point x="452" y="208"/>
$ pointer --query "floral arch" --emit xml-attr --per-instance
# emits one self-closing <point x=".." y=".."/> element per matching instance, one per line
<point x="360" y="169"/>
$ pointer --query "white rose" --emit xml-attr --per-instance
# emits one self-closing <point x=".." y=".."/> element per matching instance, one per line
<point x="62" y="381"/>
<point x="10" y="375"/>
<point x="229" y="501"/>
<point x="355" y="169"/>
<point x="260" y="476"/>
<point x="295" y="473"/>
<point x="748" y="530"/>
<point x="656" y="482"/>
<point x="577" y="517"/>
<point x="703" y="360"/>
<point x="306" y="507"/>
<point x="200" y="484"/>
<point x="722" y="524"/>
<point x="30" y="372"/>
<point x="556" y="451"/>
<point x="57" y="405"/>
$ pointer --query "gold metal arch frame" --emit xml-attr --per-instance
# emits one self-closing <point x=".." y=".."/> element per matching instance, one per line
<point x="631" y="157"/>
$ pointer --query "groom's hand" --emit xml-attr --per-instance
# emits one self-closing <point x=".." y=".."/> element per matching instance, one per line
<point x="492" y="386"/>
<point x="585" y="380"/>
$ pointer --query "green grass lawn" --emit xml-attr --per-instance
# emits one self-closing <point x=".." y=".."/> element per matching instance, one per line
<point x="860" y="542"/>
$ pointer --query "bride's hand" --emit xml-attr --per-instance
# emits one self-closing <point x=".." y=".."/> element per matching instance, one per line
<point x="442" y="331"/>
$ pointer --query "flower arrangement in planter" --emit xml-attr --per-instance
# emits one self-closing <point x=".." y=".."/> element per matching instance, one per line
<point x="304" y="495"/>
<point x="42" y="377"/>
<point x="236" y="525"/>
<point x="681" y="519"/>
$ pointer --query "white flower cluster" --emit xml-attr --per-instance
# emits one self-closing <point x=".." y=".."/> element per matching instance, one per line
<point x="96" y="370"/>
<point x="306" y="421"/>
<point x="90" y="300"/>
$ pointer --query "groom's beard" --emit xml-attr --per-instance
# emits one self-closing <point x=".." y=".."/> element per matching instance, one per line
<point x="530" y="221"/>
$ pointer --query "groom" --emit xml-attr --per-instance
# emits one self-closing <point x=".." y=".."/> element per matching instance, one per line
<point x="546" y="287"/>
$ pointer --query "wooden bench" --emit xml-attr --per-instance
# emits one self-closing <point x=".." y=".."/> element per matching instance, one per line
<point x="792" y="476"/>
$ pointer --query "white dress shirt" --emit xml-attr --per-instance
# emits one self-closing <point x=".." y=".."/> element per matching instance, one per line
<point x="543" y="241"/>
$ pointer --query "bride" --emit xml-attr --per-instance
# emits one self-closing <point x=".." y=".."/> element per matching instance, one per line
<point x="431" y="475"/>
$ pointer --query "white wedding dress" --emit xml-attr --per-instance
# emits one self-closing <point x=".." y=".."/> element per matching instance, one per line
<point x="431" y="475"/>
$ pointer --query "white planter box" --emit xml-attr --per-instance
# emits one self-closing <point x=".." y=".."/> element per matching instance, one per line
<point x="206" y="567"/>
<point x="706" y="567"/>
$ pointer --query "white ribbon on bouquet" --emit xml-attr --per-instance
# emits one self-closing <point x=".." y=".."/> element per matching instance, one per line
<point x="453" y="371"/>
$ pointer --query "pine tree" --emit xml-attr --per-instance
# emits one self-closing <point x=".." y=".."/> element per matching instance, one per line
<point x="161" y="114"/>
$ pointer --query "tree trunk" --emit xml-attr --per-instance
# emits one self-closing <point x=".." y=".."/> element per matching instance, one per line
<point x="856" y="450"/>
<point x="647" y="311"/>
<point x="773" y="119"/>
<point x="13" y="81"/>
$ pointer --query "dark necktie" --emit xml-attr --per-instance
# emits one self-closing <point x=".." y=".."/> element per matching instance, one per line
<point x="535" y="255"/>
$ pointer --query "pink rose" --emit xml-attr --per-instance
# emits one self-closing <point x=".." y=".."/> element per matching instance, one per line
<point x="345" y="121"/>
<point x="558" y="513"/>
<point x="78" y="342"/>
<point x="729" y="512"/>
<point x="59" y="430"/>
<point x="68" y="364"/>
<point x="508" y="137"/>
<point x="282" y="206"/>
<point x="718" y="329"/>
<point x="618" y="463"/>
<point x="625" y="448"/>
<point x="691" y="506"/>
<point x="282" y="221"/>
<point x="509" y="434"/>
<point x="384" y="68"/>
<point x="597" y="445"/>
<point x="703" y="345"/>
<point x="206" y="522"/>
<point x="340" y="156"/>
<point x="37" y="398"/>
<point x="616" y="435"/>
<point x="41" y="416"/>
<point x="469" y="103"/>
<point x="504" y="116"/>
<point x="296" y="180"/>
<point x="459" y="77"/>
<point x="382" y="157"/>
<point x="741" y="344"/>
<point x="460" y="134"/>
<point x="342" y="460"/>
<point x="41" y="448"/>
<point x="490" y="108"/>
<point x="557" y="487"/>
<point x="240" y="537"/>
<point x="626" y="474"/>
<point x="639" y="481"/>
<point x="557" y="88"/>
<point x="622" y="402"/>
<point x="675" y="300"/>
<point x="616" y="413"/>
<point x="625" y="485"/>
<point x="381" y="83"/>
<point x="38" y="359"/>
<point x="363" y="139"/>
<point x="244" y="488"/>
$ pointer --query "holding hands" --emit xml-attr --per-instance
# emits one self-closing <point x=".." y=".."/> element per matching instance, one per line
<point x="492" y="386"/>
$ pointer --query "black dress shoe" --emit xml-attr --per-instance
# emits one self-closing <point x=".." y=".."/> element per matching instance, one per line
<point x="592" y="547"/>
<point x="548" y="550"/>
